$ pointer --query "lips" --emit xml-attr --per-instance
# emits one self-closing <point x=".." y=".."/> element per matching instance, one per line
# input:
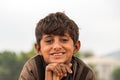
<point x="57" y="53"/>
<point x="57" y="56"/>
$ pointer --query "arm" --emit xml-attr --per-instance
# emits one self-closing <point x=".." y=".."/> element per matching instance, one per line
<point x="51" y="76"/>
<point x="55" y="77"/>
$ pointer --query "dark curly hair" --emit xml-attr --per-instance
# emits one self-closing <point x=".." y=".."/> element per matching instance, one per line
<point x="57" y="24"/>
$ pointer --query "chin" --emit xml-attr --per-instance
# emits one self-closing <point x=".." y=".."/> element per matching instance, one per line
<point x="58" y="61"/>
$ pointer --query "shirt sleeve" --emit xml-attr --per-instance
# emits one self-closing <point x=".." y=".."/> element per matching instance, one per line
<point x="27" y="72"/>
<point x="90" y="75"/>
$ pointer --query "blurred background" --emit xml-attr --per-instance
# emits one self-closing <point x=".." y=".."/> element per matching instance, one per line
<point x="98" y="20"/>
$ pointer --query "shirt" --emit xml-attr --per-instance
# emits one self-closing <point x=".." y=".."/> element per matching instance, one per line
<point x="34" y="69"/>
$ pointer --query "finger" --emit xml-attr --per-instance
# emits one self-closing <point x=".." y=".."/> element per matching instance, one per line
<point x="63" y="68"/>
<point x="69" y="64"/>
<point x="56" y="72"/>
<point x="51" y="67"/>
<point x="68" y="67"/>
<point x="59" y="70"/>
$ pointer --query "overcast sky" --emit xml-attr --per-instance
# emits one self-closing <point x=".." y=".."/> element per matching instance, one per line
<point x="99" y="22"/>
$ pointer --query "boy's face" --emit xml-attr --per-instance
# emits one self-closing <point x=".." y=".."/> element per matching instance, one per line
<point x="57" y="49"/>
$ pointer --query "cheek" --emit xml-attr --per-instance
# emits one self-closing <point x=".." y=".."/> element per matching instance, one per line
<point x="70" y="48"/>
<point x="44" y="50"/>
<point x="70" y="51"/>
<point x="43" y="47"/>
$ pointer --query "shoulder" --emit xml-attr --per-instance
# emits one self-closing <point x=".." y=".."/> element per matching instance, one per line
<point x="80" y="63"/>
<point x="30" y="71"/>
<point x="30" y="64"/>
<point x="82" y="69"/>
<point x="32" y="61"/>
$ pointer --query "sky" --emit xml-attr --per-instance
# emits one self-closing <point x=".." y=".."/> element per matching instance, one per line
<point x="98" y="20"/>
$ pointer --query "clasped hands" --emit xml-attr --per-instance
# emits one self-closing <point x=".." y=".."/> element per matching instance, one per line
<point x="56" y="71"/>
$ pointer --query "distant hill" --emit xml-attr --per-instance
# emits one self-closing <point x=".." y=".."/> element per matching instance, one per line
<point x="115" y="55"/>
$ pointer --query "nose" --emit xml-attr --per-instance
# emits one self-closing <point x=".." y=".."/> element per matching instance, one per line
<point x="57" y="46"/>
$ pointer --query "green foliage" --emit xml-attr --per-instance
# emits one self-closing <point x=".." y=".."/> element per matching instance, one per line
<point x="11" y="63"/>
<point x="116" y="74"/>
<point x="8" y="65"/>
<point x="78" y="54"/>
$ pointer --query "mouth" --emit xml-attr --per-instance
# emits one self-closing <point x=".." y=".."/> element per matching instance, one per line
<point x="57" y="55"/>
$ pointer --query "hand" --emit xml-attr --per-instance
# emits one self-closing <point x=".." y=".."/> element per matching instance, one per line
<point x="59" y="69"/>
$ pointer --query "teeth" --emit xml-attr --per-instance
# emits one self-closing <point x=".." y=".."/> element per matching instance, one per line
<point x="57" y="54"/>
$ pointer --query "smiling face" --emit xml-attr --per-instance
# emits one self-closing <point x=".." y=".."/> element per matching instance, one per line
<point x="57" y="49"/>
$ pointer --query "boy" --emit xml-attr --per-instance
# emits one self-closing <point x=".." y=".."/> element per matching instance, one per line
<point x="57" y="42"/>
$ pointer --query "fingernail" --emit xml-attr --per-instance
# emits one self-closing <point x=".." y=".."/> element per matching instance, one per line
<point x="70" y="71"/>
<point x="65" y="74"/>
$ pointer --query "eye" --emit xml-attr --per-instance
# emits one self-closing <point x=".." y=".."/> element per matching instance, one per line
<point x="49" y="41"/>
<point x="64" y="40"/>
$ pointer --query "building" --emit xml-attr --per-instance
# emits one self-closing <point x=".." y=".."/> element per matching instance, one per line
<point x="103" y="66"/>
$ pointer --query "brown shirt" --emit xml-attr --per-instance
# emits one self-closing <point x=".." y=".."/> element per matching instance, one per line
<point x="34" y="69"/>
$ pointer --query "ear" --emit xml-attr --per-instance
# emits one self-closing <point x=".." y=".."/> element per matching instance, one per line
<point x="37" y="47"/>
<point x="77" y="47"/>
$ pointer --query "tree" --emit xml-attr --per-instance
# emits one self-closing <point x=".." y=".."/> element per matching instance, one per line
<point x="116" y="73"/>
<point x="11" y="63"/>
<point x="8" y="66"/>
